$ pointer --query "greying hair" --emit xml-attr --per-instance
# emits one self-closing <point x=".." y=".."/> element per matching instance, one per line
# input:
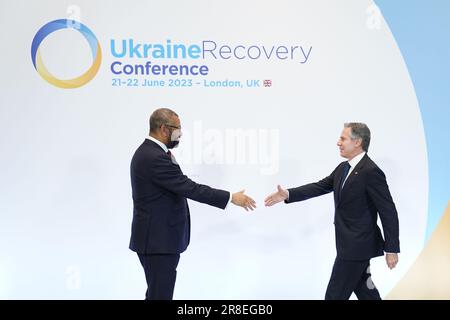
<point x="359" y="130"/>
<point x="159" y="117"/>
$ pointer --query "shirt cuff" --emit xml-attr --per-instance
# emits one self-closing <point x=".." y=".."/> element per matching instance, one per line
<point x="287" y="199"/>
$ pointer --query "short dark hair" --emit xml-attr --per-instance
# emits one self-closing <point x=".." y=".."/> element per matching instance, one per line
<point x="159" y="117"/>
<point x="361" y="131"/>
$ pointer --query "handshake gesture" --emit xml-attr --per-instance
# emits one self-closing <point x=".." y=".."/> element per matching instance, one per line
<point x="242" y="200"/>
<point x="276" y="197"/>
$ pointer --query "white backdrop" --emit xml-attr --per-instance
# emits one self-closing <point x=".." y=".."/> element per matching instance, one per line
<point x="65" y="195"/>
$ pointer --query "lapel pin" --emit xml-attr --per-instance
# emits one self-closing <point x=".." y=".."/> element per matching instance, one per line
<point x="356" y="172"/>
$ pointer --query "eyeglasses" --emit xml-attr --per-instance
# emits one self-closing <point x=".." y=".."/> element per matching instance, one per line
<point x="172" y="126"/>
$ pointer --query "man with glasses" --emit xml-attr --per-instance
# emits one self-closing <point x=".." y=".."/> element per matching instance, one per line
<point x="161" y="220"/>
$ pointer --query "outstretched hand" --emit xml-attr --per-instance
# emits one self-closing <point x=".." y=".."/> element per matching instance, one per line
<point x="242" y="200"/>
<point x="276" y="197"/>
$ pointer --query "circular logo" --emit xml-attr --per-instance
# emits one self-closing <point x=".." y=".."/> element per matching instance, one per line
<point x="88" y="35"/>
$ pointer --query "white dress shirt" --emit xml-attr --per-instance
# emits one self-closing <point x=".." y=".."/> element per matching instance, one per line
<point x="353" y="163"/>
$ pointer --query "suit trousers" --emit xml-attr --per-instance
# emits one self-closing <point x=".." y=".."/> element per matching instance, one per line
<point x="351" y="276"/>
<point x="160" y="273"/>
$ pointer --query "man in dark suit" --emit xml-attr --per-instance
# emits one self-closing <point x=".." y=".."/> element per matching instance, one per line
<point x="360" y="193"/>
<point x="161" y="221"/>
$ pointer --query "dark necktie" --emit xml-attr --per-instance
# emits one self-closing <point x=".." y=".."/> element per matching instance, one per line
<point x="172" y="157"/>
<point x="344" y="175"/>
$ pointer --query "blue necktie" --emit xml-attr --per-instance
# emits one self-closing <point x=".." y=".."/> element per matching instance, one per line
<point x="344" y="175"/>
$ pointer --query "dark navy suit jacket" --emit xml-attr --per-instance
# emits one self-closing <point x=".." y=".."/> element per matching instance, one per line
<point x="365" y="193"/>
<point x="161" y="220"/>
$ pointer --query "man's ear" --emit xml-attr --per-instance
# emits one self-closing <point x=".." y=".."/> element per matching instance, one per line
<point x="163" y="130"/>
<point x="358" y="142"/>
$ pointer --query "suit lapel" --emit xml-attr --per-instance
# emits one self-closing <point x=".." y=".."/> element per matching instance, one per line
<point x="353" y="175"/>
<point x="160" y="150"/>
<point x="337" y="181"/>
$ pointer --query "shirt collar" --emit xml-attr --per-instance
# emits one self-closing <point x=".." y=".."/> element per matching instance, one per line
<point x="356" y="159"/>
<point x="159" y="143"/>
